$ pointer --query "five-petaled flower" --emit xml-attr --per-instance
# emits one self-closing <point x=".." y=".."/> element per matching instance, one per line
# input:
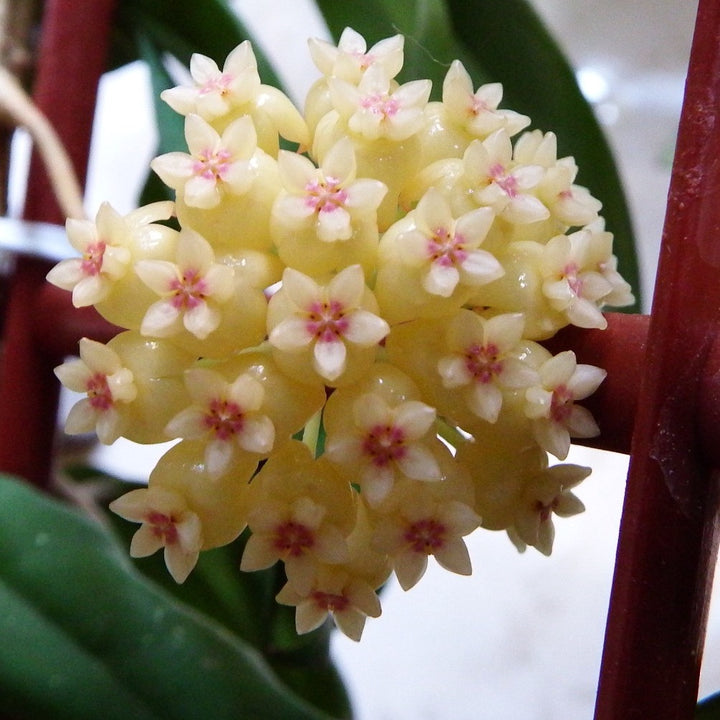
<point x="551" y="403"/>
<point x="486" y="357"/>
<point x="386" y="442"/>
<point x="226" y="415"/>
<point x="215" y="165"/>
<point x="167" y="522"/>
<point x="329" y="319"/>
<point x="191" y="289"/>
<point x="107" y="384"/>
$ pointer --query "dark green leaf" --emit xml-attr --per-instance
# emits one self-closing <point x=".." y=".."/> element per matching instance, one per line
<point x="244" y="603"/>
<point x="709" y="708"/>
<point x="513" y="47"/>
<point x="83" y="631"/>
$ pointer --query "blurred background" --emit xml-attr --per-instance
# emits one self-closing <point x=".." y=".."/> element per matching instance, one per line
<point x="522" y="638"/>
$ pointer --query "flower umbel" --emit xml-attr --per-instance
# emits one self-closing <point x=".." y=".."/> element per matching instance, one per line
<point x="345" y="336"/>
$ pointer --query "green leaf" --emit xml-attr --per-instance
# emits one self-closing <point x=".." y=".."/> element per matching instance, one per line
<point x="709" y="708"/>
<point x="83" y="630"/>
<point x="513" y="47"/>
<point x="242" y="602"/>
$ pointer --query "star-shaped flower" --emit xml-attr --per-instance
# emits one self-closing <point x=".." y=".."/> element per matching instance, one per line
<point x="351" y="57"/>
<point x="385" y="443"/>
<point x="167" y="522"/>
<point x="105" y="251"/>
<point x="551" y="403"/>
<point x="486" y="356"/>
<point x="325" y="320"/>
<point x="191" y="289"/>
<point x="448" y="247"/>
<point x="215" y="92"/>
<point x="216" y="164"/>
<point x="375" y="109"/>
<point x="227" y="415"/>
<point x="477" y="111"/>
<point x="108" y="385"/>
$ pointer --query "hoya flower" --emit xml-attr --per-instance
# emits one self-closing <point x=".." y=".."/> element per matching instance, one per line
<point x="191" y="288"/>
<point x="601" y="257"/>
<point x="351" y="58"/>
<point x="497" y="181"/>
<point x="486" y="356"/>
<point x="572" y="279"/>
<point x="107" y="385"/>
<point x="215" y="165"/>
<point x="300" y="532"/>
<point x="224" y="414"/>
<point x="385" y="443"/>
<point x="546" y="494"/>
<point x="375" y="109"/>
<point x="167" y="522"/>
<point x="448" y="248"/>
<point x="477" y="111"/>
<point x="349" y="599"/>
<point x="105" y="256"/>
<point x="328" y="197"/>
<point x="425" y="525"/>
<point x="325" y="319"/>
<point x="551" y="403"/>
<point x="215" y="92"/>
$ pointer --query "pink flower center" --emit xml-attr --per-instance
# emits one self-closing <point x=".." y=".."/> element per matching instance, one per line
<point x="225" y="419"/>
<point x="482" y="362"/>
<point x="327" y="321"/>
<point x="212" y="164"/>
<point x="380" y="104"/>
<point x="188" y="291"/>
<point x="293" y="539"/>
<point x="98" y="392"/>
<point x="570" y="272"/>
<point x="507" y="182"/>
<point x="384" y="443"/>
<point x="446" y="249"/>
<point x="561" y="404"/>
<point x="92" y="258"/>
<point x="477" y="105"/>
<point x="330" y="601"/>
<point x="219" y="84"/>
<point x="325" y="196"/>
<point x="163" y="527"/>
<point x="425" y="536"/>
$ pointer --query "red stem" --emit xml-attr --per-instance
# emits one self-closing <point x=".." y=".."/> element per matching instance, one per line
<point x="72" y="55"/>
<point x="669" y="530"/>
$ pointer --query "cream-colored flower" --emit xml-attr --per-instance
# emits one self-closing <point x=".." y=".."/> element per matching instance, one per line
<point x="349" y="599"/>
<point x="386" y="442"/>
<point x="167" y="522"/>
<point x="376" y="109"/>
<point x="546" y="494"/>
<point x="573" y="281"/>
<point x="326" y="320"/>
<point x="477" y="111"/>
<point x="351" y="57"/>
<point x="486" y="355"/>
<point x="107" y="384"/>
<point x="329" y="197"/>
<point x="495" y="180"/>
<point x="215" y="92"/>
<point x="104" y="246"/>
<point x="551" y="403"/>
<point x="216" y="164"/>
<point x="226" y="415"/>
<point x="191" y="288"/>
<point x="448" y="247"/>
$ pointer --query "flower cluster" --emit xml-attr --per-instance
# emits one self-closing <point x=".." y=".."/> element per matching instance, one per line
<point x="345" y="337"/>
